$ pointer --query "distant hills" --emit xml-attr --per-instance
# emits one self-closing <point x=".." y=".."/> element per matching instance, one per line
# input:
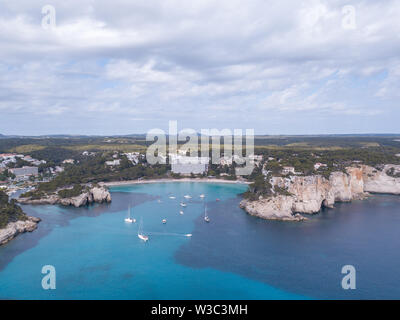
<point x="143" y="135"/>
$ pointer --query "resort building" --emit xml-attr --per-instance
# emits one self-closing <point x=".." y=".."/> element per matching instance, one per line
<point x="190" y="165"/>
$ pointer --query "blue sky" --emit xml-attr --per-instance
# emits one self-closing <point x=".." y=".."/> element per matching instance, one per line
<point x="279" y="67"/>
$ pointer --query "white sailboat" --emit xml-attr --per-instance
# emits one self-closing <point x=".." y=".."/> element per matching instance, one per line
<point x="129" y="219"/>
<point x="206" y="218"/>
<point x="181" y="212"/>
<point x="140" y="234"/>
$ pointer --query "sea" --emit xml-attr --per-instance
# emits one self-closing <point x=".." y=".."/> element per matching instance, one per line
<point x="97" y="255"/>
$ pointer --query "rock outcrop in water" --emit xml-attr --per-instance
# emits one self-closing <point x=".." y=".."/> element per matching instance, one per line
<point x="92" y="195"/>
<point x="307" y="194"/>
<point x="15" y="228"/>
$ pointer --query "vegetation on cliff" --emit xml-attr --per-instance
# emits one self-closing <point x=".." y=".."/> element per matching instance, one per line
<point x="9" y="210"/>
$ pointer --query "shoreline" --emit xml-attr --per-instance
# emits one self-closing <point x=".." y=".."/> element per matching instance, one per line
<point x="204" y="180"/>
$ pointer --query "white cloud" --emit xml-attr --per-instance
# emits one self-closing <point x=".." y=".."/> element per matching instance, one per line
<point x="199" y="60"/>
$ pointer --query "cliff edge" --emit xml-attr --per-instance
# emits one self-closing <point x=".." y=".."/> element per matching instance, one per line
<point x="308" y="194"/>
<point x="88" y="196"/>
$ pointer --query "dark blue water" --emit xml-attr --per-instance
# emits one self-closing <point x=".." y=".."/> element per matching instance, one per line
<point x="235" y="256"/>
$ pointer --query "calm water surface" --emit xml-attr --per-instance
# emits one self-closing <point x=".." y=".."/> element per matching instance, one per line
<point x="235" y="256"/>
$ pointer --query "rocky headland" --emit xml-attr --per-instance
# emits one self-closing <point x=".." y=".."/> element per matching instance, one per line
<point x="15" y="228"/>
<point x="308" y="194"/>
<point x="88" y="196"/>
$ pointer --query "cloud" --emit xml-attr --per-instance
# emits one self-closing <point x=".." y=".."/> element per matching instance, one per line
<point x="205" y="63"/>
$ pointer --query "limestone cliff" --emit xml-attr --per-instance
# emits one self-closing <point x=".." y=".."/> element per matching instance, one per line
<point x="309" y="193"/>
<point x="378" y="181"/>
<point x="15" y="228"/>
<point x="95" y="194"/>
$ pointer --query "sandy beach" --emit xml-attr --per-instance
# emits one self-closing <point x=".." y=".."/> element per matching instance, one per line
<point x="211" y="180"/>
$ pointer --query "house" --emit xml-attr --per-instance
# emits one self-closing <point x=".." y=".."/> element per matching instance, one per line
<point x="319" y="165"/>
<point x="115" y="162"/>
<point x="225" y="161"/>
<point x="288" y="170"/>
<point x="133" y="157"/>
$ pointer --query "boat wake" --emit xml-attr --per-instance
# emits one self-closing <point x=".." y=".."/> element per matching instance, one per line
<point x="170" y="234"/>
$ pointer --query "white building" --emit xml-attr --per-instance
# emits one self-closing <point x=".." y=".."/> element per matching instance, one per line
<point x="116" y="162"/>
<point x="189" y="165"/>
<point x="287" y="170"/>
<point x="133" y="157"/>
<point x="319" y="165"/>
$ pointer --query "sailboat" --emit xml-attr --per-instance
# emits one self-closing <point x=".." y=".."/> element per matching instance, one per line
<point x="129" y="219"/>
<point x="206" y="218"/>
<point x="181" y="212"/>
<point x="202" y="196"/>
<point x="140" y="234"/>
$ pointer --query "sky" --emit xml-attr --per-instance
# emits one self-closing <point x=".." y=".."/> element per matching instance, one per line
<point x="122" y="67"/>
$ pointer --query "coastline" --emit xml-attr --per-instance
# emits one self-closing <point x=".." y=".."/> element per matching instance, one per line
<point x="131" y="182"/>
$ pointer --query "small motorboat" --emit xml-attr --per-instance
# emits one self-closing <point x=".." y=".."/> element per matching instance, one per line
<point x="172" y="197"/>
<point x="187" y="197"/>
<point x="206" y="219"/>
<point x="188" y="235"/>
<point x="202" y="196"/>
<point x="217" y="199"/>
<point x="164" y="221"/>
<point x="183" y="204"/>
<point x="181" y="212"/>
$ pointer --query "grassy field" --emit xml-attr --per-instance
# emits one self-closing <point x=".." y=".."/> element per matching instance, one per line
<point x="108" y="147"/>
<point x="26" y="148"/>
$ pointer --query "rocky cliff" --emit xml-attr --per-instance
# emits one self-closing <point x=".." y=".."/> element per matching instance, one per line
<point x="307" y="194"/>
<point x="95" y="194"/>
<point x="15" y="228"/>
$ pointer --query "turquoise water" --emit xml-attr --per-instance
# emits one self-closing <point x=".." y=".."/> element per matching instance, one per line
<point x="98" y="256"/>
<point x="235" y="256"/>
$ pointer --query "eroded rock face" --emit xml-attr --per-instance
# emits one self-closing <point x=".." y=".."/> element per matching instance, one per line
<point x="100" y="194"/>
<point x="377" y="181"/>
<point x="273" y="208"/>
<point x="95" y="194"/>
<point x="15" y="228"/>
<point x="310" y="193"/>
